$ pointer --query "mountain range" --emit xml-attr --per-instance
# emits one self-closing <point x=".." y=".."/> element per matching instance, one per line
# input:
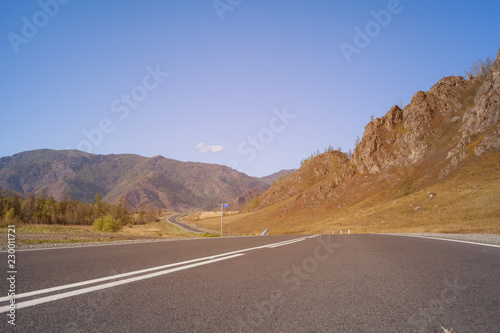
<point x="159" y="181"/>
<point x="434" y="162"/>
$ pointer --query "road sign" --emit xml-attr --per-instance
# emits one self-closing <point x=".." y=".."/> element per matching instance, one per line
<point x="222" y="215"/>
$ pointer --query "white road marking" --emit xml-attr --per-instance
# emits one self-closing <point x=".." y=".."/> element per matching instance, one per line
<point x="446" y="239"/>
<point x="285" y="243"/>
<point x="112" y="277"/>
<point x="109" y="285"/>
<point x="189" y="263"/>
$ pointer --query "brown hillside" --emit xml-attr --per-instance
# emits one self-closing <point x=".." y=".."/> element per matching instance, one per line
<point x="314" y="171"/>
<point x="157" y="181"/>
<point x="445" y="138"/>
<point x="242" y="200"/>
<point x="277" y="175"/>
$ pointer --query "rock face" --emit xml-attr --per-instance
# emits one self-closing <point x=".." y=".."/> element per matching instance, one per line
<point x="403" y="137"/>
<point x="316" y="170"/>
<point x="375" y="151"/>
<point x="484" y="116"/>
<point x="243" y="199"/>
<point x="436" y="130"/>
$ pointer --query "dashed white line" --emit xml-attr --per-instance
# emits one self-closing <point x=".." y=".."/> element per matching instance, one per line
<point x="184" y="265"/>
<point x="110" y="284"/>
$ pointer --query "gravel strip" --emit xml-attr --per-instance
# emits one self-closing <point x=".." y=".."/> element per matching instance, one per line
<point x="80" y="244"/>
<point x="478" y="238"/>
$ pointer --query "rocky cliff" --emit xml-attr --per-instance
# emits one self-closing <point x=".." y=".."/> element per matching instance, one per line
<point x="450" y="115"/>
<point x="483" y="117"/>
<point x="420" y="143"/>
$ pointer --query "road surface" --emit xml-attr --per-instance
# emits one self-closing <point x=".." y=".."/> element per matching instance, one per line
<point x="349" y="283"/>
<point x="174" y="219"/>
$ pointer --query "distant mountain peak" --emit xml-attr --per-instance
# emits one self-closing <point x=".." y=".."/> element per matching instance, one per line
<point x="159" y="181"/>
<point x="275" y="176"/>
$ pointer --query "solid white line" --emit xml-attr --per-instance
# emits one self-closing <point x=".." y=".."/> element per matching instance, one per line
<point x="118" y="276"/>
<point x="112" y="277"/>
<point x="286" y="243"/>
<point x="109" y="285"/>
<point x="447" y="239"/>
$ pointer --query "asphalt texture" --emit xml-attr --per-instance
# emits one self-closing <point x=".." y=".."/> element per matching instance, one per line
<point x="174" y="219"/>
<point x="348" y="283"/>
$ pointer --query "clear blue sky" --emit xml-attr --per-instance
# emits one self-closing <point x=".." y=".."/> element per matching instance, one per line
<point x="193" y="82"/>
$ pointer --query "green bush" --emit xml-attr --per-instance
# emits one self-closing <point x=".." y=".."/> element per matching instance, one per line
<point x="107" y="223"/>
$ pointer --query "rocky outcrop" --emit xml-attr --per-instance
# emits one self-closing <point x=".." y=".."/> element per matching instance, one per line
<point x="240" y="201"/>
<point x="484" y="116"/>
<point x="404" y="137"/>
<point x="438" y="123"/>
<point x="314" y="171"/>
<point x="375" y="151"/>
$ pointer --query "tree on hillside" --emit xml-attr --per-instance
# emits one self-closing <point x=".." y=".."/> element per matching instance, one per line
<point x="254" y="203"/>
<point x="45" y="209"/>
<point x="151" y="213"/>
<point x="141" y="216"/>
<point x="479" y="68"/>
<point x="97" y="206"/>
<point x="2" y="205"/>
<point x="28" y="207"/>
<point x="43" y="194"/>
<point x="16" y="206"/>
<point x="123" y="210"/>
<point x="51" y="210"/>
<point x="356" y="143"/>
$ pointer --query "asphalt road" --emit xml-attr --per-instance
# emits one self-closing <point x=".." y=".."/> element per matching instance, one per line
<point x="174" y="219"/>
<point x="349" y="283"/>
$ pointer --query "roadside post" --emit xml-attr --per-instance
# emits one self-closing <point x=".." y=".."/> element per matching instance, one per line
<point x="222" y="215"/>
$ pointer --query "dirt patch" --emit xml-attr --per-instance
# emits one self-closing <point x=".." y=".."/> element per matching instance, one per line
<point x="28" y="235"/>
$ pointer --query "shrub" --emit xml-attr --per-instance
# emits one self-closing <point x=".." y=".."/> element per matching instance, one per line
<point x="107" y="223"/>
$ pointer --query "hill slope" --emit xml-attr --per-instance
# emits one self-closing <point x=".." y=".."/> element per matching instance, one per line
<point x="445" y="142"/>
<point x="167" y="183"/>
<point x="276" y="176"/>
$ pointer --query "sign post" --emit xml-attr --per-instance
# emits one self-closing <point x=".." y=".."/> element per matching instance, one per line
<point x="222" y="215"/>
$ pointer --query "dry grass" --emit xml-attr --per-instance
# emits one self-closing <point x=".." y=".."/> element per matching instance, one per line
<point x="212" y="222"/>
<point x="33" y="234"/>
<point x="467" y="201"/>
<point x="206" y="215"/>
<point x="161" y="229"/>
